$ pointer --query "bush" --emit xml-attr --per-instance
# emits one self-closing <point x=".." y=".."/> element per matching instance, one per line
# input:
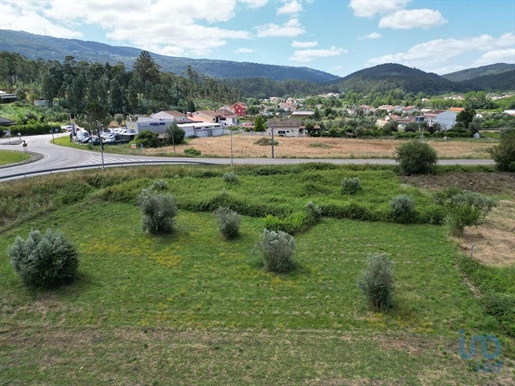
<point x="175" y="135"/>
<point x="377" y="283"/>
<point x="44" y="261"/>
<point x="415" y="157"/>
<point x="192" y="151"/>
<point x="263" y="141"/>
<point x="466" y="209"/>
<point x="158" y="212"/>
<point x="230" y="178"/>
<point x="351" y="185"/>
<point x="403" y="208"/>
<point x="313" y="211"/>
<point x="147" y="139"/>
<point x="228" y="222"/>
<point x="504" y="153"/>
<point x="277" y="250"/>
<point x="159" y="185"/>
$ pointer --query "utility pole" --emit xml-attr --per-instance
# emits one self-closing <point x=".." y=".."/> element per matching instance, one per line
<point x="273" y="140"/>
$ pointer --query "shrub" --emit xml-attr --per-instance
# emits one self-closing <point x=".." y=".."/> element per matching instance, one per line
<point x="174" y="134"/>
<point x="263" y="141"/>
<point x="403" y="208"/>
<point x="277" y="250"/>
<point x="466" y="209"/>
<point x="228" y="222"/>
<point x="377" y="283"/>
<point x="192" y="151"/>
<point x="158" y="212"/>
<point x="351" y="185"/>
<point x="44" y="261"/>
<point x="230" y="178"/>
<point x="313" y="211"/>
<point x="159" y="185"/>
<point x="504" y="153"/>
<point x="415" y="157"/>
<point x="147" y="139"/>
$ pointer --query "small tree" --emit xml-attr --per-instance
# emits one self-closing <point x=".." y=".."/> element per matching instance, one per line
<point x="504" y="153"/>
<point x="466" y="209"/>
<point x="403" y="208"/>
<point x="228" y="222"/>
<point x="147" y="139"/>
<point x="174" y="135"/>
<point x="44" y="261"/>
<point x="415" y="157"/>
<point x="351" y="185"/>
<point x="277" y="249"/>
<point x="377" y="282"/>
<point x="158" y="211"/>
<point x="259" y="123"/>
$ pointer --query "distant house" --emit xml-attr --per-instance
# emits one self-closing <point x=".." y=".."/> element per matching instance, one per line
<point x="445" y="118"/>
<point x="285" y="128"/>
<point x="227" y="116"/>
<point x="457" y="109"/>
<point x="175" y="115"/>
<point x="240" y="109"/>
<point x="390" y="108"/>
<point x="223" y="116"/>
<point x="302" y="114"/>
<point x="410" y="110"/>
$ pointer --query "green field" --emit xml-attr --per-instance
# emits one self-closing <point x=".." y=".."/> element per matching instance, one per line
<point x="11" y="157"/>
<point x="193" y="308"/>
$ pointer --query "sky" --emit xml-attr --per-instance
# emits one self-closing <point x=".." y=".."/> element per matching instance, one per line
<point x="338" y="37"/>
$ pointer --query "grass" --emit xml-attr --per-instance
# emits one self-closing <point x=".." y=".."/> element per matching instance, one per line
<point x="244" y="146"/>
<point x="196" y="309"/>
<point x="11" y="157"/>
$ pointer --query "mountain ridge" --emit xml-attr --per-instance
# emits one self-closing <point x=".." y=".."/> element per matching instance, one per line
<point x="35" y="46"/>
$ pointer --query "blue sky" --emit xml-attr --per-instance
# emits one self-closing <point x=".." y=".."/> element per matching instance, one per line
<point x="339" y="37"/>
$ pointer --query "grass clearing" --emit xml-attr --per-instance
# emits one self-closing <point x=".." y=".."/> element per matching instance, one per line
<point x="244" y="146"/>
<point x="8" y="157"/>
<point x="193" y="308"/>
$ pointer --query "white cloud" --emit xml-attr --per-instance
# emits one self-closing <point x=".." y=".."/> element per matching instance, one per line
<point x="298" y="44"/>
<point x="255" y="3"/>
<point x="415" y="18"/>
<point x="373" y="35"/>
<point x="245" y="51"/>
<point x="437" y="54"/>
<point x="176" y="27"/>
<point x="310" y="55"/>
<point x="292" y="7"/>
<point x="497" y="56"/>
<point x="369" y="8"/>
<point x="23" y="16"/>
<point x="290" y="28"/>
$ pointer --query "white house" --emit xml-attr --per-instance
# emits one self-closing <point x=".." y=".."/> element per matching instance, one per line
<point x="446" y="119"/>
<point x="202" y="129"/>
<point x="285" y="128"/>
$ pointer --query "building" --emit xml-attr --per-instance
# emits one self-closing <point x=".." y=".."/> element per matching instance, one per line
<point x="285" y="128"/>
<point x="240" y="109"/>
<point x="171" y="114"/>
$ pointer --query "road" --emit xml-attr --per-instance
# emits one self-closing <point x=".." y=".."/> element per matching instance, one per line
<point x="56" y="157"/>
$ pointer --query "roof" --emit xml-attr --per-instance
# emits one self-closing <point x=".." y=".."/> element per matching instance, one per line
<point x="283" y="123"/>
<point x="456" y="109"/>
<point x="6" y="122"/>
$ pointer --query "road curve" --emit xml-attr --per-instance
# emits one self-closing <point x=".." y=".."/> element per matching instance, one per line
<point x="58" y="157"/>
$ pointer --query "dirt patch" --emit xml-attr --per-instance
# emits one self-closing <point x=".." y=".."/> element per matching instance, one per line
<point x="493" y="242"/>
<point x="244" y="146"/>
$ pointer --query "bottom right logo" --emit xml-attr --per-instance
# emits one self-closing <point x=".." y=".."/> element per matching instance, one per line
<point x="492" y="364"/>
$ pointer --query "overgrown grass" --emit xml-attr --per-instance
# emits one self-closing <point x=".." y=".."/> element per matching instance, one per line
<point x="11" y="157"/>
<point x="194" y="308"/>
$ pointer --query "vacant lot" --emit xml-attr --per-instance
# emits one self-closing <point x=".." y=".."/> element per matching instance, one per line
<point x="192" y="308"/>
<point x="308" y="147"/>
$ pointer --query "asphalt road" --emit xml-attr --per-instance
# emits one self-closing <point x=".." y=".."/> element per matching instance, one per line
<point x="56" y="157"/>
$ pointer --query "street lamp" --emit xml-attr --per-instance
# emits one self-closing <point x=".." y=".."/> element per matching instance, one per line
<point x="272" y="140"/>
<point x="232" y="162"/>
<point x="101" y="144"/>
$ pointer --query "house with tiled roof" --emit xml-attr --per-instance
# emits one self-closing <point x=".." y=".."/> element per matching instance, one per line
<point x="175" y="115"/>
<point x="285" y="128"/>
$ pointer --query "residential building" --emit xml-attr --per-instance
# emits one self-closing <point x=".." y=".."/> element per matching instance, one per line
<point x="240" y="109"/>
<point x="285" y="128"/>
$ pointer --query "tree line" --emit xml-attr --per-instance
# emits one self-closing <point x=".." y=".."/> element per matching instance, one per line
<point x="74" y="84"/>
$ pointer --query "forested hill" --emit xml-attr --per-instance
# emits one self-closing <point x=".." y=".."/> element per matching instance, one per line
<point x="492" y="69"/>
<point x="385" y="77"/>
<point x="49" y="48"/>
